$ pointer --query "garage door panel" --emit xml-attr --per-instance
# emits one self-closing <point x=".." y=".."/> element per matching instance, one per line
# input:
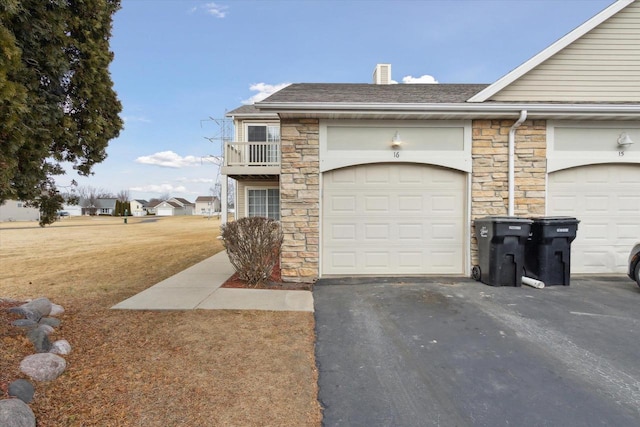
<point x="445" y="204"/>
<point x="376" y="175"/>
<point x="606" y="200"/>
<point x="443" y="232"/>
<point x="409" y="232"/>
<point x="376" y="232"/>
<point x="411" y="203"/>
<point x="377" y="204"/>
<point x="340" y="203"/>
<point x="630" y="204"/>
<point x="405" y="219"/>
<point x="343" y="176"/>
<point x="376" y="259"/>
<point x="597" y="204"/>
<point x="442" y="258"/>
<point x="345" y="232"/>
<point x="343" y="259"/>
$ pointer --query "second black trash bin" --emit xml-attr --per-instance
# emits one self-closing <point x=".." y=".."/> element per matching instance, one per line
<point x="548" y="249"/>
<point x="501" y="241"/>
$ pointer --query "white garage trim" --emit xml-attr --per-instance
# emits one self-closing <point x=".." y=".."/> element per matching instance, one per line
<point x="571" y="144"/>
<point x="606" y="200"/>
<point x="394" y="219"/>
<point x="445" y="143"/>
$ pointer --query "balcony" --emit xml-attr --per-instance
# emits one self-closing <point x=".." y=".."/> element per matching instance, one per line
<point x="251" y="159"/>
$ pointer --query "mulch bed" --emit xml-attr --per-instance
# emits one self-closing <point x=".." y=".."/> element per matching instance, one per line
<point x="14" y="346"/>
<point x="274" y="282"/>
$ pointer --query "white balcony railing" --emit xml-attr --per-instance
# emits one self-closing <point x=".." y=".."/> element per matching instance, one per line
<point x="252" y="154"/>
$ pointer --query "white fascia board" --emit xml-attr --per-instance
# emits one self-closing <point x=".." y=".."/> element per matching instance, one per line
<point x="556" y="47"/>
<point x="493" y="108"/>
<point x="245" y="116"/>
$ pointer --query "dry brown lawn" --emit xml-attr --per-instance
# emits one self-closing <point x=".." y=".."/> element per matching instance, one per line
<point x="143" y="368"/>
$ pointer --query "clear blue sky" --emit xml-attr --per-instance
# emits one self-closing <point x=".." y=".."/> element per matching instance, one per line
<point x="178" y="63"/>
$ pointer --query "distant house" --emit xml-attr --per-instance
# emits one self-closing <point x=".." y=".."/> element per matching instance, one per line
<point x="104" y="207"/>
<point x="207" y="205"/>
<point x="175" y="206"/>
<point x="72" y="210"/>
<point x="15" y="210"/>
<point x="139" y="207"/>
<point x="188" y="208"/>
<point x="151" y="207"/>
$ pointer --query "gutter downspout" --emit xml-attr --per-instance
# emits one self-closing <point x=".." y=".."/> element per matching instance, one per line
<point x="512" y="150"/>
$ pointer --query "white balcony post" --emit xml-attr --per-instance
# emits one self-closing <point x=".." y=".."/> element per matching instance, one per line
<point x="223" y="198"/>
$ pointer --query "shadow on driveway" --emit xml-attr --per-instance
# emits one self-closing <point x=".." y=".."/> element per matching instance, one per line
<point x="454" y="352"/>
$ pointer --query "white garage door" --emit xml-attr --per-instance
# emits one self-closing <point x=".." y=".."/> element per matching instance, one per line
<point x="164" y="211"/>
<point x="393" y="219"/>
<point x="606" y="200"/>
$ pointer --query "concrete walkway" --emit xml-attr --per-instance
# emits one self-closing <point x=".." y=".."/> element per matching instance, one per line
<point x="198" y="287"/>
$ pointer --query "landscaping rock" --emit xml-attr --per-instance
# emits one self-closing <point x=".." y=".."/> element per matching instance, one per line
<point x="51" y="321"/>
<point x="43" y="366"/>
<point x="56" y="310"/>
<point x="25" y="324"/>
<point x="16" y="413"/>
<point x="60" y="347"/>
<point x="41" y="305"/>
<point x="26" y="313"/>
<point x="47" y="329"/>
<point x="40" y="340"/>
<point x="22" y="389"/>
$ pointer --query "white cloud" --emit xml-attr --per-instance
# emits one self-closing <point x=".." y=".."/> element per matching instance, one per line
<point x="197" y="180"/>
<point x="160" y="188"/>
<point x="131" y="119"/>
<point x="264" y="90"/>
<point x="217" y="10"/>
<point x="426" y="79"/>
<point x="169" y="159"/>
<point x="213" y="9"/>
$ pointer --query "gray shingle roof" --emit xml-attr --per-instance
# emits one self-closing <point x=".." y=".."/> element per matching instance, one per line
<point x="182" y="200"/>
<point x="374" y="94"/>
<point x="206" y="199"/>
<point x="246" y="111"/>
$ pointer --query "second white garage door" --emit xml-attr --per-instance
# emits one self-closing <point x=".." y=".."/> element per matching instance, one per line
<point x="393" y="219"/>
<point x="606" y="200"/>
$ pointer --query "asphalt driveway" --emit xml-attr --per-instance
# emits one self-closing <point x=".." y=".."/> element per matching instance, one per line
<point x="454" y="352"/>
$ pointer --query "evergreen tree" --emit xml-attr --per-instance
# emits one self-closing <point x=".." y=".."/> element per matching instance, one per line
<point x="57" y="102"/>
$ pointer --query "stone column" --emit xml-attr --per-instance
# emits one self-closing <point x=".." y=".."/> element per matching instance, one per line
<point x="300" y="199"/>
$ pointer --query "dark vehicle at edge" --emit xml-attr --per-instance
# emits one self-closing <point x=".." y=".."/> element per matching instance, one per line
<point x="634" y="263"/>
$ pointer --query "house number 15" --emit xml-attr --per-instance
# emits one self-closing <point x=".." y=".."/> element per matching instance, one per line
<point x="396" y="154"/>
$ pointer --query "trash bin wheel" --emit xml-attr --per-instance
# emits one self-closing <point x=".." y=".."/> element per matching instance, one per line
<point x="475" y="272"/>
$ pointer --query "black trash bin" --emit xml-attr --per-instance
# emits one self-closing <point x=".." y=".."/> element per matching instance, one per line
<point x="548" y="249"/>
<point x="501" y="241"/>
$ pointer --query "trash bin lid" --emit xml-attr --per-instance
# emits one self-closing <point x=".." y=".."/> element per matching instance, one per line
<point x="505" y="219"/>
<point x="555" y="220"/>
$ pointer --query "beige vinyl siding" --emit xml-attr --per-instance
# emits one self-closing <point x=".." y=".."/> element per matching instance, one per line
<point x="239" y="131"/>
<point x="241" y="188"/>
<point x="601" y="66"/>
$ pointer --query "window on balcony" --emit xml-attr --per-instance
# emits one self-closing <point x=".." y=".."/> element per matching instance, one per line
<point x="263" y="202"/>
<point x="268" y="135"/>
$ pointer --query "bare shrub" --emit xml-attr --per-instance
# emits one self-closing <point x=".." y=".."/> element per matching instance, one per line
<point x="253" y="245"/>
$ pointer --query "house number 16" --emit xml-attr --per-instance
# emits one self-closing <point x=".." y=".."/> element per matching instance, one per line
<point x="396" y="154"/>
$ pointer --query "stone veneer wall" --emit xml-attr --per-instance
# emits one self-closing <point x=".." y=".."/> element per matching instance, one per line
<point x="490" y="186"/>
<point x="300" y="199"/>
